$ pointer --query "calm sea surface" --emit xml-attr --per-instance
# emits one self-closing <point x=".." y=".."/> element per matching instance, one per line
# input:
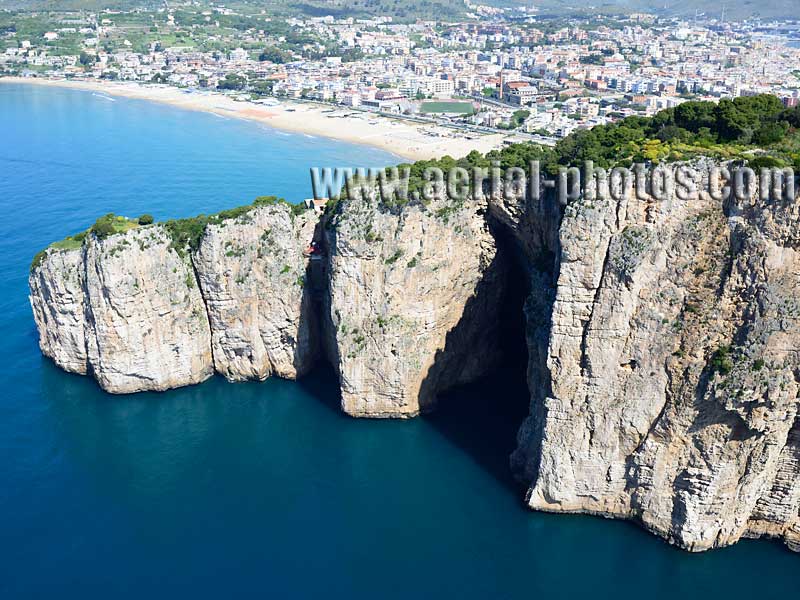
<point x="264" y="489"/>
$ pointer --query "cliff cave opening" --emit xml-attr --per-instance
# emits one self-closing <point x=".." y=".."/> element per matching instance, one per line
<point x="482" y="417"/>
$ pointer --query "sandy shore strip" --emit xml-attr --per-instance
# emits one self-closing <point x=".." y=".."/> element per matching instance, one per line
<point x="412" y="141"/>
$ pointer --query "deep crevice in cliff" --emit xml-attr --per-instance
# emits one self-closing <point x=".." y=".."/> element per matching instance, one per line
<point x="482" y="417"/>
<point x="317" y="292"/>
<point x="191" y="264"/>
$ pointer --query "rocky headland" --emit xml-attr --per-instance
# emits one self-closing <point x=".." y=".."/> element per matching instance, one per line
<point x="661" y="336"/>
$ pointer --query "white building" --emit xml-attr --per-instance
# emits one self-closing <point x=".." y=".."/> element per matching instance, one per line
<point x="239" y="55"/>
<point x="437" y="87"/>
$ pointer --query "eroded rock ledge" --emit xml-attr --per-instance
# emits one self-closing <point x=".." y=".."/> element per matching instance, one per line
<point x="662" y="337"/>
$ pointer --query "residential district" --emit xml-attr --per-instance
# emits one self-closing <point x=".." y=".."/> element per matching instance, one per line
<point x="498" y="69"/>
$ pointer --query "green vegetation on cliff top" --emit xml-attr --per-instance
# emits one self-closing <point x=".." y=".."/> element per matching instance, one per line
<point x="757" y="129"/>
<point x="105" y="226"/>
<point x="185" y="233"/>
<point x="741" y="128"/>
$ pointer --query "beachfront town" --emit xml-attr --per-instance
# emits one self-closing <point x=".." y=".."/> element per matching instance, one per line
<point x="507" y="70"/>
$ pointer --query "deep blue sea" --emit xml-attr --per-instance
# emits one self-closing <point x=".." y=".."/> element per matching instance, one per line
<point x="264" y="489"/>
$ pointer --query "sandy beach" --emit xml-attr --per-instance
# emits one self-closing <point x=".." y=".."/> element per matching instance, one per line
<point x="412" y="141"/>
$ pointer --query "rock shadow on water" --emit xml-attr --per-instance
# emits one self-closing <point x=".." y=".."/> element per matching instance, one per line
<point x="322" y="384"/>
<point x="481" y="419"/>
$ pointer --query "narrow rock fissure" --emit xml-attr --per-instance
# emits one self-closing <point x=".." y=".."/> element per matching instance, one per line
<point x="87" y="311"/>
<point x="585" y="364"/>
<point x="203" y="299"/>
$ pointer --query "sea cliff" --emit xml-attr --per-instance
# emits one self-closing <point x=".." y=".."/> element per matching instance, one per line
<point x="661" y="336"/>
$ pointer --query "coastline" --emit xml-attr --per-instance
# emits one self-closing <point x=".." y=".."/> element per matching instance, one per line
<point x="411" y="141"/>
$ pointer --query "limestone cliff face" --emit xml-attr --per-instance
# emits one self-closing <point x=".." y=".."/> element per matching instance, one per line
<point x="412" y="295"/>
<point x="125" y="310"/>
<point x="137" y="314"/>
<point x="672" y="372"/>
<point x="57" y="299"/>
<point x="147" y="327"/>
<point x="662" y="336"/>
<point x="252" y="273"/>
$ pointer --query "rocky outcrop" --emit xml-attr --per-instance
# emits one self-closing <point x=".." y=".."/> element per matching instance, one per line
<point x="662" y="335"/>
<point x="413" y="293"/>
<point x="57" y="299"/>
<point x="672" y="365"/>
<point x="138" y="313"/>
<point x="252" y="273"/>
<point x="126" y="310"/>
<point x="146" y="324"/>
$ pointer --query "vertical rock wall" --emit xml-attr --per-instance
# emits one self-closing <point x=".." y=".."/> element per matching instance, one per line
<point x="133" y="311"/>
<point x="252" y="273"/>
<point x="662" y="336"/>
<point x="57" y="299"/>
<point x="673" y="368"/>
<point x="147" y="327"/>
<point x="413" y="305"/>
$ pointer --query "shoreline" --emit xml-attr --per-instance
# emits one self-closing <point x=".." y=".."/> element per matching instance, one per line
<point x="410" y="141"/>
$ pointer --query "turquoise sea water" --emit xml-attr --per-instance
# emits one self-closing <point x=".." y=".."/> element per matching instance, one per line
<point x="264" y="489"/>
